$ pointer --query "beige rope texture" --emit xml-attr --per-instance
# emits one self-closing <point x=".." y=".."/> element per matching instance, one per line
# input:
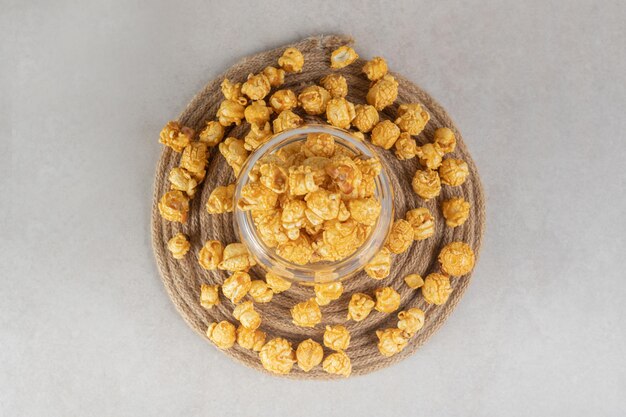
<point x="182" y="278"/>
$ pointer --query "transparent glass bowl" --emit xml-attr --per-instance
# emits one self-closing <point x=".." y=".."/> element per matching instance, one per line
<point x="319" y="271"/>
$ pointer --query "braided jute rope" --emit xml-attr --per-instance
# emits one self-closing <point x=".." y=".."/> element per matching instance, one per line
<point x="182" y="278"/>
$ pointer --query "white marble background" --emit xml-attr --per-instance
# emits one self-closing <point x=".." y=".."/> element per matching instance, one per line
<point x="538" y="89"/>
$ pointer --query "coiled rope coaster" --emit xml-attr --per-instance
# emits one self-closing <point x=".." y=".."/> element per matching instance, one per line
<point x="183" y="278"/>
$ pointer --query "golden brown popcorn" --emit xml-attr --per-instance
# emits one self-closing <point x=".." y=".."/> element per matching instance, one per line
<point x="256" y="86"/>
<point x="283" y="100"/>
<point x="453" y="172"/>
<point x="365" y="210"/>
<point x="380" y="266"/>
<point x="180" y="179"/>
<point x="178" y="246"/>
<point x="436" y="289"/>
<point x="318" y="166"/>
<point x="414" y="281"/>
<point x="387" y="299"/>
<point x="360" y="306"/>
<point x="194" y="157"/>
<point x="230" y="112"/>
<point x="257" y="136"/>
<point x="176" y="136"/>
<point x="274" y="177"/>
<point x="233" y="92"/>
<point x="430" y="155"/>
<point x="411" y="320"/>
<point x="276" y="76"/>
<point x="309" y="354"/>
<point x="365" y="117"/>
<point x="293" y="217"/>
<point x="236" y="258"/>
<point x="412" y="118"/>
<point x="314" y="99"/>
<point x="345" y="173"/>
<point x="343" y="214"/>
<point x="323" y="203"/>
<point x="445" y="138"/>
<point x="256" y="196"/>
<point x="209" y="295"/>
<point x="336" y="85"/>
<point x="337" y="363"/>
<point x="235" y="153"/>
<point x="457" y="258"/>
<point x="392" y="341"/>
<point x="276" y="283"/>
<point x="260" y="291"/>
<point x="250" y="339"/>
<point x="221" y="199"/>
<point x="174" y="206"/>
<point x="247" y="315"/>
<point x="359" y="135"/>
<point x="370" y="167"/>
<point x="236" y="286"/>
<point x="222" y="334"/>
<point x="292" y="60"/>
<point x="285" y="120"/>
<point x="212" y="134"/>
<point x="426" y="184"/>
<point x="340" y="239"/>
<point x="319" y="144"/>
<point x="257" y="113"/>
<point x="401" y="237"/>
<point x="298" y="251"/>
<point x="336" y="337"/>
<point x="422" y="221"/>
<point x="340" y="112"/>
<point x="211" y="255"/>
<point x="375" y="69"/>
<point x="383" y="93"/>
<point x="306" y="313"/>
<point x="327" y="292"/>
<point x="277" y="356"/>
<point x="456" y="211"/>
<point x="406" y="147"/>
<point x="385" y="134"/>
<point x="342" y="57"/>
<point x="301" y="180"/>
<point x="269" y="226"/>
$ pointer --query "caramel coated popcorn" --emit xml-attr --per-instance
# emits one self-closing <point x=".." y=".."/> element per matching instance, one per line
<point x="298" y="251"/>
<point x="336" y="337"/>
<point x="209" y="296"/>
<point x="342" y="57"/>
<point x="360" y="306"/>
<point x="436" y="289"/>
<point x="247" y="315"/>
<point x="306" y="313"/>
<point x="401" y="237"/>
<point x="256" y="86"/>
<point x="276" y="283"/>
<point x="456" y="211"/>
<point x="445" y="138"/>
<point x="380" y="266"/>
<point x="276" y="76"/>
<point x="336" y="85"/>
<point x="277" y="356"/>
<point x="365" y="117"/>
<point x="319" y="144"/>
<point x="233" y="92"/>
<point x="285" y="120"/>
<point x="392" y="341"/>
<point x="337" y="363"/>
<point x="457" y="258"/>
<point x="222" y="334"/>
<point x="340" y="112"/>
<point x="221" y="199"/>
<point x="414" y="281"/>
<point x="174" y="206"/>
<point x="257" y="113"/>
<point x="411" y="320"/>
<point x="210" y="255"/>
<point x="260" y="291"/>
<point x="257" y="136"/>
<point x="375" y="69"/>
<point x="236" y="258"/>
<point x="194" y="158"/>
<point x="236" y="286"/>
<point x="256" y="196"/>
<point x="292" y="60"/>
<point x="422" y="222"/>
<point x="301" y="180"/>
<point x="365" y="210"/>
<point x="383" y="93"/>
<point x="385" y="134"/>
<point x="453" y="172"/>
<point x="230" y="112"/>
<point x="387" y="299"/>
<point x="212" y="134"/>
<point x="178" y="246"/>
<point x="252" y="339"/>
<point x="405" y="146"/>
<point x="430" y="155"/>
<point x="325" y="293"/>
<point x="176" y="136"/>
<point x="426" y="184"/>
<point x="412" y="118"/>
<point x="283" y="100"/>
<point x="314" y="99"/>
<point x="345" y="173"/>
<point x="309" y="354"/>
<point x="235" y="153"/>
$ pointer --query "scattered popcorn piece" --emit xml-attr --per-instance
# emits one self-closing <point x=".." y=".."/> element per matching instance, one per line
<point x="412" y="118"/>
<point x="194" y="158"/>
<point x="180" y="179"/>
<point x="306" y="313"/>
<point x="340" y="112"/>
<point x="209" y="296"/>
<point x="292" y="60"/>
<point x="436" y="289"/>
<point x="212" y="134"/>
<point x="247" y="315"/>
<point x="406" y="147"/>
<point x="236" y="258"/>
<point x="414" y="281"/>
<point x="221" y="199"/>
<point x="325" y="293"/>
<point x="457" y="258"/>
<point x="422" y="221"/>
<point x="342" y="57"/>
<point x="235" y="153"/>
<point x="430" y="155"/>
<point x="314" y="99"/>
<point x="385" y="134"/>
<point x="283" y="100"/>
<point x="456" y="211"/>
<point x="392" y="341"/>
<point x="276" y="76"/>
<point x="286" y="120"/>
<point x="256" y="86"/>
<point x="383" y="93"/>
<point x="336" y="337"/>
<point x="309" y="354"/>
<point x="387" y="299"/>
<point x="178" y="246"/>
<point x="257" y="136"/>
<point x="222" y="334"/>
<point x="260" y="291"/>
<point x="453" y="172"/>
<point x="365" y="117"/>
<point x="250" y="339"/>
<point x="445" y="138"/>
<point x="276" y="283"/>
<point x="230" y="112"/>
<point x="176" y="136"/>
<point x="375" y="69"/>
<point x="411" y="320"/>
<point x="257" y="113"/>
<point x="236" y="286"/>
<point x="336" y="85"/>
<point x="426" y="184"/>
<point x="360" y="306"/>
<point x="210" y="255"/>
<point x="380" y="266"/>
<point x="174" y="206"/>
<point x="337" y="363"/>
<point x="277" y="356"/>
<point x="401" y="237"/>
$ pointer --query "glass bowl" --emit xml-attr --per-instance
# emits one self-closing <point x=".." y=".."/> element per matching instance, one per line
<point x="325" y="271"/>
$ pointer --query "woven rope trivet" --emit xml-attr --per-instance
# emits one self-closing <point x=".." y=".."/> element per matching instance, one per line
<point x="182" y="278"/>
